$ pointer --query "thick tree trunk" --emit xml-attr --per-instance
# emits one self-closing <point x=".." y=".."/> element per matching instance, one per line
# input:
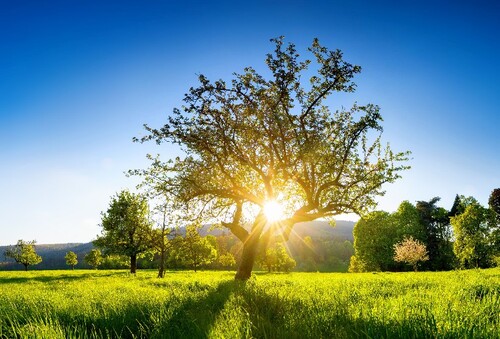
<point x="133" y="263"/>
<point x="250" y="249"/>
<point x="25" y="267"/>
<point x="247" y="260"/>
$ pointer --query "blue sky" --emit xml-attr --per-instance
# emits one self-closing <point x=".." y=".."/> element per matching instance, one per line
<point x="79" y="78"/>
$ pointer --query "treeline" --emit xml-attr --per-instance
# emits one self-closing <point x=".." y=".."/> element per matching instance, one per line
<point x="315" y="246"/>
<point x="466" y="236"/>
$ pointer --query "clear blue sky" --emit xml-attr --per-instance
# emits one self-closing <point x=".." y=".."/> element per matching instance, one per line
<point x="79" y="78"/>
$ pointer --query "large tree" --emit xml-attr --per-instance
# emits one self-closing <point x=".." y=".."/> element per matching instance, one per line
<point x="24" y="253"/>
<point x="256" y="140"/>
<point x="126" y="228"/>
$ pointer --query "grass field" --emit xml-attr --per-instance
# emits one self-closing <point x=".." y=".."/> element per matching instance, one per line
<point x="114" y="304"/>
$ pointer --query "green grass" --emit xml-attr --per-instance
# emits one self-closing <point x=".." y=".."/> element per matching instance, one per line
<point x="114" y="304"/>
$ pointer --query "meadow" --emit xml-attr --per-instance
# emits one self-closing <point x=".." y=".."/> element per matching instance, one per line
<point x="115" y="304"/>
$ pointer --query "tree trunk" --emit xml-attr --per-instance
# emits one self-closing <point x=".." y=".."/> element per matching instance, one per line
<point x="250" y="247"/>
<point x="25" y="267"/>
<point x="133" y="263"/>
<point x="161" y="270"/>
<point x="247" y="259"/>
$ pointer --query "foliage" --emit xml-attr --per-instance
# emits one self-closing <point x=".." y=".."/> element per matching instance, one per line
<point x="410" y="251"/>
<point x="473" y="230"/>
<point x="126" y="229"/>
<point x="253" y="140"/>
<point x="94" y="258"/>
<point x="71" y="259"/>
<point x="110" y="304"/>
<point x="438" y="233"/>
<point x="276" y="258"/>
<point x="376" y="233"/>
<point x="374" y="237"/>
<point x="24" y="253"/>
<point x="227" y="260"/>
<point x="494" y="201"/>
<point x="196" y="251"/>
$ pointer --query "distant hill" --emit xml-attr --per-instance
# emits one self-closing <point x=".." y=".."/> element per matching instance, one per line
<point x="53" y="254"/>
<point x="318" y="229"/>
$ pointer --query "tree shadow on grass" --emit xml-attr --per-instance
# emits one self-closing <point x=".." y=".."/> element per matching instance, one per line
<point x="56" y="277"/>
<point x="195" y="317"/>
<point x="187" y="317"/>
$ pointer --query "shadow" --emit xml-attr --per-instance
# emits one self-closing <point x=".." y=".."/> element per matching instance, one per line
<point x="56" y="277"/>
<point x="194" y="318"/>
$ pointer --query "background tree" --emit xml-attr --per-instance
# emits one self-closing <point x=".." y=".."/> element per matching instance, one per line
<point x="226" y="260"/>
<point x="71" y="259"/>
<point x="164" y="235"/>
<point x="195" y="250"/>
<point x="472" y="230"/>
<point x="494" y="201"/>
<point x="24" y="253"/>
<point x="269" y="260"/>
<point x="285" y="263"/>
<point x="438" y="233"/>
<point x="252" y="141"/>
<point x="410" y="251"/>
<point x="126" y="229"/>
<point x="374" y="237"/>
<point x="94" y="258"/>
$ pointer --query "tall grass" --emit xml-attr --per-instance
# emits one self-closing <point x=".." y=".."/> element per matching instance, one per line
<point x="114" y="304"/>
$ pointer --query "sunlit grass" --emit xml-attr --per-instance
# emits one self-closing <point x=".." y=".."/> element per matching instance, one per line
<point x="115" y="304"/>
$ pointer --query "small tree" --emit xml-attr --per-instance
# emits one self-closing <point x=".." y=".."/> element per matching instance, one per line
<point x="71" y="259"/>
<point x="269" y="260"/>
<point x="196" y="251"/>
<point x="410" y="251"/>
<point x="285" y="262"/>
<point x="126" y="228"/>
<point x="24" y="253"/>
<point x="94" y="258"/>
<point x="227" y="260"/>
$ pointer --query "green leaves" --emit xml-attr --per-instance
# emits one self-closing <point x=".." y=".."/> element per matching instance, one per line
<point x="126" y="228"/>
<point x="24" y="253"/>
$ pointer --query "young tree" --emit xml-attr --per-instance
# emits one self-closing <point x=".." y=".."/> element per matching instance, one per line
<point x="410" y="251"/>
<point x="71" y="259"/>
<point x="24" y="253"/>
<point x="126" y="228"/>
<point x="195" y="250"/>
<point x="269" y="260"/>
<point x="285" y="263"/>
<point x="164" y="239"/>
<point x="94" y="258"/>
<point x="227" y="260"/>
<point x="253" y="141"/>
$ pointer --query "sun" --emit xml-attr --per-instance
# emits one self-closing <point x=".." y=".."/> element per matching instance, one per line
<point x="273" y="211"/>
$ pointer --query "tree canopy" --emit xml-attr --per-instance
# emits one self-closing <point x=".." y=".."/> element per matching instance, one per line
<point x="126" y="228"/>
<point x="253" y="140"/>
<point x="71" y="259"/>
<point x="24" y="253"/>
